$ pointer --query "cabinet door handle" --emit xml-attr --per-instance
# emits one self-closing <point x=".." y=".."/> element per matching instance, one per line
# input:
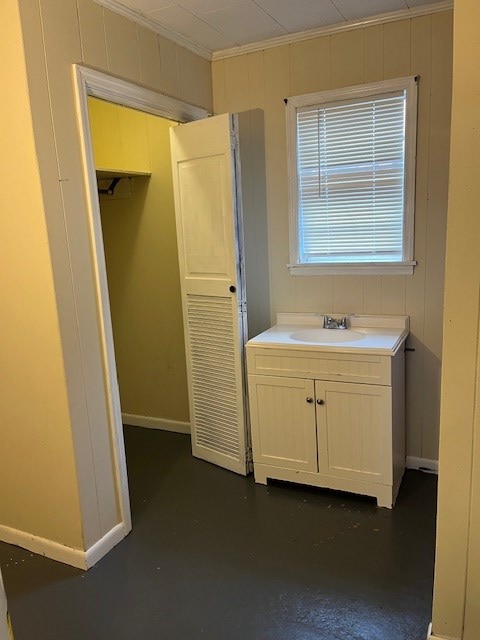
<point x="309" y="400"/>
<point x="319" y="401"/>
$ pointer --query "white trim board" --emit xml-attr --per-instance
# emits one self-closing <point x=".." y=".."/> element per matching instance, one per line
<point x="422" y="464"/>
<point x="430" y="635"/>
<point x="60" y="552"/>
<point x="360" y="23"/>
<point x="155" y="423"/>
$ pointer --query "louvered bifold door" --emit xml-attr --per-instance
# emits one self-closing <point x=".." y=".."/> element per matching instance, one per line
<point x="209" y="247"/>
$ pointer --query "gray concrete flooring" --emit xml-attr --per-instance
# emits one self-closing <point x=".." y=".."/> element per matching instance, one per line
<point x="213" y="555"/>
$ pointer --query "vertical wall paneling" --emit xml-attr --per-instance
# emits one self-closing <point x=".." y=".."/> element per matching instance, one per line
<point x="437" y="213"/>
<point x="236" y="83"/>
<point x="122" y="46"/>
<point x="168" y="66"/>
<point x="372" y="295"/>
<point x="306" y="74"/>
<point x="55" y="35"/>
<point x="187" y="80"/>
<point x="61" y="31"/>
<point x="393" y="294"/>
<point x="365" y="55"/>
<point x="256" y="81"/>
<point x="347" y="61"/>
<point x="203" y="81"/>
<point x="218" y="87"/>
<point x="396" y="61"/>
<point x="37" y="446"/>
<point x="421" y="56"/>
<point x="92" y="29"/>
<point x="277" y="87"/>
<point x="348" y="294"/>
<point x="373" y="61"/>
<point x="149" y="56"/>
<point x="457" y="577"/>
<point x="313" y="294"/>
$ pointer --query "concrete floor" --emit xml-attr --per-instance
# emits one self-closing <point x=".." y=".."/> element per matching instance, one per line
<point x="214" y="556"/>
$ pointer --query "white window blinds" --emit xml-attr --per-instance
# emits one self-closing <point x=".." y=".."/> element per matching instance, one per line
<point x="351" y="180"/>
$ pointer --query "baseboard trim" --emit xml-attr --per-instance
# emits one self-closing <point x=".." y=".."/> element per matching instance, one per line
<point x="60" y="552"/>
<point x="422" y="464"/>
<point x="155" y="423"/>
<point x="430" y="635"/>
<point x="104" y="545"/>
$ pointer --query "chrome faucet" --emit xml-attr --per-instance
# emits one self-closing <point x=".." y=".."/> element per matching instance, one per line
<point x="334" y="323"/>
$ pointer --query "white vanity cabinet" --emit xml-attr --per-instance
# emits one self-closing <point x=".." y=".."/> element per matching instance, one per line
<point x="328" y="419"/>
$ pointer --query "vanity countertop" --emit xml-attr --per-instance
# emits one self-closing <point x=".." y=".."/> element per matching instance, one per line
<point x="379" y="335"/>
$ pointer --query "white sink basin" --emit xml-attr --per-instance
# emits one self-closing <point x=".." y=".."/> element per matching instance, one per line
<point x="322" y="336"/>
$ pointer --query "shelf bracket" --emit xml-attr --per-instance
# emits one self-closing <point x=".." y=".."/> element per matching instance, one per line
<point x="110" y="190"/>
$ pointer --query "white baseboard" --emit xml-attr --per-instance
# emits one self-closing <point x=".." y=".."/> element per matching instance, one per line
<point x="155" y="423"/>
<point x="68" y="555"/>
<point x="422" y="464"/>
<point x="104" y="545"/>
<point x="430" y="635"/>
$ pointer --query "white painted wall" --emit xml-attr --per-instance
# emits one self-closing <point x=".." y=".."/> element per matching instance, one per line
<point x="422" y="46"/>
<point x="456" y="610"/>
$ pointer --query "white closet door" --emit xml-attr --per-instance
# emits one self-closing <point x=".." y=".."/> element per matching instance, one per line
<point x="203" y="161"/>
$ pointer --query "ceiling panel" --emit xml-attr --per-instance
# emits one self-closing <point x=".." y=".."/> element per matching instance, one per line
<point x="244" y="23"/>
<point x="221" y="24"/>
<point x="188" y="25"/>
<point x="204" y="6"/>
<point x="145" y="6"/>
<point x="301" y="14"/>
<point x="419" y="3"/>
<point x="353" y="9"/>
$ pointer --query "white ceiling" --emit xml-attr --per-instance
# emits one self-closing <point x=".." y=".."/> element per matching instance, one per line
<point x="221" y="24"/>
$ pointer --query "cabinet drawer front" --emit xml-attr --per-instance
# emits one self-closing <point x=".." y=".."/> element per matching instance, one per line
<point x="282" y="414"/>
<point x="344" y="367"/>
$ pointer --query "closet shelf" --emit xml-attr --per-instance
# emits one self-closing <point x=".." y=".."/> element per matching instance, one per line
<point x="109" y="174"/>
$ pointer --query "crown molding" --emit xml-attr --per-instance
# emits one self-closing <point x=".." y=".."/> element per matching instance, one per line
<point x="145" y="21"/>
<point x="361" y="23"/>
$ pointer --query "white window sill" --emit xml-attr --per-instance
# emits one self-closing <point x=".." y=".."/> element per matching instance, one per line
<point x="365" y="269"/>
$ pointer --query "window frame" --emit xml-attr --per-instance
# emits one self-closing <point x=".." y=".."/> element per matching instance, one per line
<point x="406" y="266"/>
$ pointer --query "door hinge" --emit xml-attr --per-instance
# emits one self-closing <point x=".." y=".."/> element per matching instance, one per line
<point x="233" y="140"/>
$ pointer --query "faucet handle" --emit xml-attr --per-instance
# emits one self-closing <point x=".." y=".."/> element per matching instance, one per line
<point x="343" y="322"/>
<point x="327" y="322"/>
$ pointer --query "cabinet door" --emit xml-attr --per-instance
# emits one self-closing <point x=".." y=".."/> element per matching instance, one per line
<point x="283" y="422"/>
<point x="354" y="431"/>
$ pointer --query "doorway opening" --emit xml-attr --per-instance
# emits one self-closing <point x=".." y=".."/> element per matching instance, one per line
<point x="94" y="84"/>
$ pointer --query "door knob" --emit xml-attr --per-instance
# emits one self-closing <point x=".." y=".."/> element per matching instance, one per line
<point x="309" y="400"/>
<point x="319" y="401"/>
<point x="232" y="288"/>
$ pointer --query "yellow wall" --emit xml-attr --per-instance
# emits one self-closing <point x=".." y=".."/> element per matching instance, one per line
<point x="262" y="80"/>
<point x="456" y="610"/>
<point x="56" y="460"/>
<point x="142" y="266"/>
<point x="38" y="488"/>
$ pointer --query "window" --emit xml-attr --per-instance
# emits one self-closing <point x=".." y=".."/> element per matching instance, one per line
<point x="352" y="179"/>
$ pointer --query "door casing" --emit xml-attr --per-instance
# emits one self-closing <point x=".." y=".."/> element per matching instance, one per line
<point x="88" y="82"/>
